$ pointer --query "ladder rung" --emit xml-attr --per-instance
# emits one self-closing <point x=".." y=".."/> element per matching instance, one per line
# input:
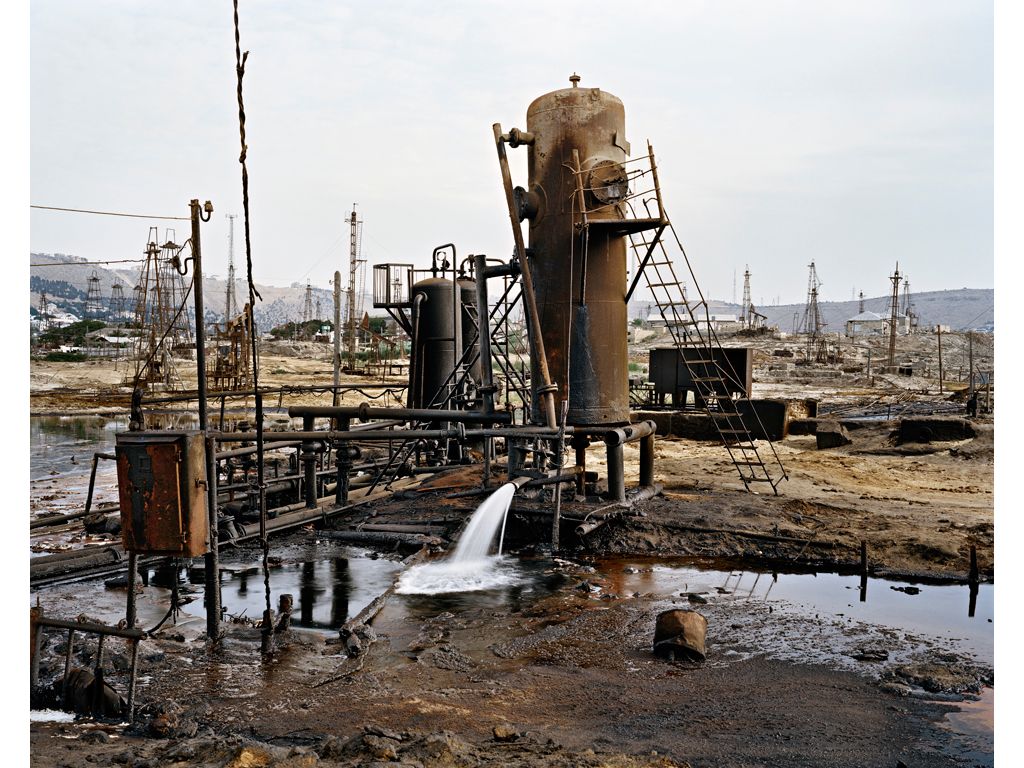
<point x="756" y="479"/>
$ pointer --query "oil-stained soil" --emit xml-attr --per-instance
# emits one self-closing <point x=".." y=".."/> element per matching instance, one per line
<point x="562" y="673"/>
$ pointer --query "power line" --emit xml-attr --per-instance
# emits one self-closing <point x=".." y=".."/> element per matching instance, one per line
<point x="107" y="213"/>
<point x="87" y="263"/>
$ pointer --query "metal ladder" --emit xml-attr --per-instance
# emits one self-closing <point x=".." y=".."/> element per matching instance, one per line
<point x="697" y="343"/>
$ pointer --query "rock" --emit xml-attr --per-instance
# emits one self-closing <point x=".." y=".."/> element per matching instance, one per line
<point x="504" y="733"/>
<point x="95" y="737"/>
<point x="831" y="434"/>
<point x="693" y="597"/>
<point x="907" y="590"/>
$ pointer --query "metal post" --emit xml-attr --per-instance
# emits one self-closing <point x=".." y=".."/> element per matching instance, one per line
<point x="337" y="337"/>
<point x="580" y="442"/>
<point x="35" y="615"/>
<point x="938" y="330"/>
<point x="92" y="483"/>
<point x="68" y="653"/>
<point x="647" y="460"/>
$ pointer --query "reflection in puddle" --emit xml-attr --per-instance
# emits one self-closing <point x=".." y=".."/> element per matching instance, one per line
<point x="954" y="613"/>
<point x="326" y="592"/>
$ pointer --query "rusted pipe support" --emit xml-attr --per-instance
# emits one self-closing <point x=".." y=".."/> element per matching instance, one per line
<point x="616" y="472"/>
<point x="367" y="413"/>
<point x="88" y="626"/>
<point x="309" y="464"/>
<point x="601" y="516"/>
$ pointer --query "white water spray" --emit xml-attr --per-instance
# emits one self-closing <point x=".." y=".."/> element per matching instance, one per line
<point x="469" y="568"/>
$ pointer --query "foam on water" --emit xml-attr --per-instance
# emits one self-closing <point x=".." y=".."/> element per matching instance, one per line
<point x="470" y="568"/>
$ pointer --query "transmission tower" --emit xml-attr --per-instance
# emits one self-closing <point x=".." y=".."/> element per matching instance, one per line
<point x="894" y="305"/>
<point x="318" y="316"/>
<point x="745" y="318"/>
<point x="230" y="303"/>
<point x="93" y="302"/>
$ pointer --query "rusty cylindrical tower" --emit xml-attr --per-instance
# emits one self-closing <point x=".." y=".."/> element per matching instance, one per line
<point x="579" y="271"/>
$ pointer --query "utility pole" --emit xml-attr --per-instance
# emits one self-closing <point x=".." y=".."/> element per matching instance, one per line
<point x="938" y="331"/>
<point x="745" y="317"/>
<point x="970" y="361"/>
<point x="337" y="336"/>
<point x="353" y="266"/>
<point x="860" y="310"/>
<point x="230" y="303"/>
<point x="211" y="566"/>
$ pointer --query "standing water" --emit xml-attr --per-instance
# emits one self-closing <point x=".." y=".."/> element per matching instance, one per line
<point x="470" y="568"/>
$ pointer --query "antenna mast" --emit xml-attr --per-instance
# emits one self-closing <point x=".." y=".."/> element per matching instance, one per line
<point x="230" y="303"/>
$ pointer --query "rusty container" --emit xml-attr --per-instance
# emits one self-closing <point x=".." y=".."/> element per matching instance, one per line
<point x="679" y="635"/>
<point x="161" y="482"/>
<point x="434" y="352"/>
<point x="580" y="282"/>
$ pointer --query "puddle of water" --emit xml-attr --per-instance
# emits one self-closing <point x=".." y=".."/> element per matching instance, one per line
<point x="937" y="611"/>
<point x="55" y="440"/>
<point x="326" y="592"/>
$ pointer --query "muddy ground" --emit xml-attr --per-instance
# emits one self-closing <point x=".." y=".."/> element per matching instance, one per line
<point x="564" y="674"/>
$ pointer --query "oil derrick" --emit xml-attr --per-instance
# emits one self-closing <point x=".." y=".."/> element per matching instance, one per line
<point x="116" y="304"/>
<point x="307" y="310"/>
<point x="44" y="313"/>
<point x="894" y="305"/>
<point x="908" y="306"/>
<point x="812" y="324"/>
<point x="93" y="302"/>
<point x="317" y="315"/>
<point x="745" y="319"/>
<point x="227" y="369"/>
<point x="230" y="303"/>
<point x="354" y="262"/>
<point x="161" y="322"/>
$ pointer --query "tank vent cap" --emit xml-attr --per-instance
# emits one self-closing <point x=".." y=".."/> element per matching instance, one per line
<point x="575" y="80"/>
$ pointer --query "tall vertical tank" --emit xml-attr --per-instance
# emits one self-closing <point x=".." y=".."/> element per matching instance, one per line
<point x="580" y="282"/>
<point x="434" y="353"/>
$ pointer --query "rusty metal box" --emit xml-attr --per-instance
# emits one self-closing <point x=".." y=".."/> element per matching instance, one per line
<point x="161" y="480"/>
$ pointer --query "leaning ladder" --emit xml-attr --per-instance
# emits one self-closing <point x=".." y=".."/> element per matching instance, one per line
<point x="711" y="373"/>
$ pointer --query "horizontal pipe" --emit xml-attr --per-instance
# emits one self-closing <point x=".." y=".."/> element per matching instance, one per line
<point x="398" y="434"/>
<point x="88" y="626"/>
<point x="630" y="433"/>
<point x="601" y="516"/>
<point x="366" y="412"/>
<point x="187" y="396"/>
<point x="252" y="449"/>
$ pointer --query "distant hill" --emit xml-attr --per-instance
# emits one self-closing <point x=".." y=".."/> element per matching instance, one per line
<point x="961" y="309"/>
<point x="65" y="279"/>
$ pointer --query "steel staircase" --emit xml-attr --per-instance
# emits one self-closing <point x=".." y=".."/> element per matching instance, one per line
<point x="714" y="379"/>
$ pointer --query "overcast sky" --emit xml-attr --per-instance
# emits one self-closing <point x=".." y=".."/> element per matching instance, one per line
<point x="853" y="134"/>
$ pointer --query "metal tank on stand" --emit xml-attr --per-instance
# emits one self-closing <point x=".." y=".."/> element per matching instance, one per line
<point x="579" y="223"/>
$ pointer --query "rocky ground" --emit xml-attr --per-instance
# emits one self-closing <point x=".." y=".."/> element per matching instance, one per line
<point x="563" y="674"/>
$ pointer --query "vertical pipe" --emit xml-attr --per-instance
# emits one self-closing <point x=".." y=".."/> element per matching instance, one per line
<point x="616" y="470"/>
<point x="547" y="389"/>
<point x="647" y="460"/>
<point x="35" y="614"/>
<point x="579" y="442"/>
<point x="211" y="562"/>
<point x="69" y="651"/>
<point x="344" y="464"/>
<point x="938" y="329"/>
<point x="92" y="483"/>
<point x="210" y="559"/>
<point x="309" y="464"/>
<point x="131" y="680"/>
<point x="484" y="344"/>
<point x="133" y="573"/>
<point x="337" y="337"/>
